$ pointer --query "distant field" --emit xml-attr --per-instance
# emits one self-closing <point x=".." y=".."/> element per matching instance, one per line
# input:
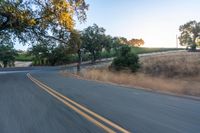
<point x="175" y="73"/>
<point x="86" y="57"/>
<point x="23" y="57"/>
<point x="141" y="50"/>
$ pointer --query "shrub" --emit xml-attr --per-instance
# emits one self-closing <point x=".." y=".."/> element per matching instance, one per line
<point x="126" y="60"/>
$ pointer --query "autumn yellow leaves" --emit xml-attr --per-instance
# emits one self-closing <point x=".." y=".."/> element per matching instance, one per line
<point x="42" y="13"/>
<point x="64" y="12"/>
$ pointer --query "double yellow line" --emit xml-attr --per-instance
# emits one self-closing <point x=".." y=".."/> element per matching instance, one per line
<point x="83" y="111"/>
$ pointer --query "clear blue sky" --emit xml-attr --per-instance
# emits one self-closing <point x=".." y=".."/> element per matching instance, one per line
<point x="156" y="21"/>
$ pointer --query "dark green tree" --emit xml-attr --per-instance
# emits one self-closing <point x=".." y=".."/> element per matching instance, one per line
<point x="40" y="53"/>
<point x="74" y="44"/>
<point x="57" y="55"/>
<point x="126" y="60"/>
<point x="93" y="40"/>
<point x="27" y="21"/>
<point x="7" y="55"/>
<point x="108" y="42"/>
<point x="189" y="33"/>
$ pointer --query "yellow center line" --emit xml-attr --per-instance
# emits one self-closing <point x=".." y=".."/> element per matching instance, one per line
<point x="74" y="108"/>
<point x="80" y="106"/>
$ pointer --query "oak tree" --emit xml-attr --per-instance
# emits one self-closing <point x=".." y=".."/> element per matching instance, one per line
<point x="93" y="40"/>
<point x="31" y="20"/>
<point x="189" y="33"/>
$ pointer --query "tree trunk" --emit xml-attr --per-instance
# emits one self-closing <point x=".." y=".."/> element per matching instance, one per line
<point x="93" y="57"/>
<point x="194" y="46"/>
<point x="79" y="60"/>
<point x="5" y="64"/>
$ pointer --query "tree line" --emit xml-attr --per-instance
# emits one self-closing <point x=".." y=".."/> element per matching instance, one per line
<point x="90" y="42"/>
<point x="38" y="21"/>
<point x="48" y="27"/>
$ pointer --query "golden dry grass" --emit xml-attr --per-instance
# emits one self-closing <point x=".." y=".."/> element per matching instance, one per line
<point x="181" y="64"/>
<point x="175" y="73"/>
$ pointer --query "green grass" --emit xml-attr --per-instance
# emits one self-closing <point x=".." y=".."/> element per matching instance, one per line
<point x="142" y="50"/>
<point x="23" y="57"/>
<point x="139" y="50"/>
<point x="104" y="54"/>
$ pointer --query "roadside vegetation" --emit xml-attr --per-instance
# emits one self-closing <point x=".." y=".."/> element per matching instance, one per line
<point x="181" y="64"/>
<point x="174" y="73"/>
<point x="125" y="60"/>
<point x="51" y="34"/>
<point x="7" y="55"/>
<point x="49" y="28"/>
<point x="73" y="58"/>
<point x="23" y="57"/>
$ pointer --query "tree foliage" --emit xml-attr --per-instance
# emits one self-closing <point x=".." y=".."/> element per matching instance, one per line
<point x="93" y="40"/>
<point x="75" y="45"/>
<point x="126" y="60"/>
<point x="75" y="41"/>
<point x="123" y="40"/>
<point x="198" y="40"/>
<point x="136" y="42"/>
<point x="189" y="33"/>
<point x="48" y="54"/>
<point x="7" y="55"/>
<point x="131" y="42"/>
<point x="31" y="20"/>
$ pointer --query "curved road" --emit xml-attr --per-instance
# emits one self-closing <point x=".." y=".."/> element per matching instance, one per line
<point x="47" y="102"/>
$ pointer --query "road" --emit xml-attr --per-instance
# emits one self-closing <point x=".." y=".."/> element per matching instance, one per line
<point x="44" y="101"/>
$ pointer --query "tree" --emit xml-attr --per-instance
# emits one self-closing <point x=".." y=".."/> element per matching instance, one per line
<point x="29" y="21"/>
<point x="75" y="45"/>
<point x="116" y="43"/>
<point x="126" y="59"/>
<point x="132" y="42"/>
<point x="93" y="40"/>
<point x="40" y="53"/>
<point x="7" y="55"/>
<point x="189" y="32"/>
<point x="57" y="55"/>
<point x="123" y="40"/>
<point x="198" y="40"/>
<point x="48" y="53"/>
<point x="136" y="42"/>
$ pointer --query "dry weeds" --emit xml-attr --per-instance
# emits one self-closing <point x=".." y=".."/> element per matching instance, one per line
<point x="175" y="73"/>
<point x="182" y="64"/>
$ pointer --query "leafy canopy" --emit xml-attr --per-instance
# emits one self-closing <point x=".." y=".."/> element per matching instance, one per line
<point x="126" y="59"/>
<point x="7" y="55"/>
<point x="190" y="32"/>
<point x="31" y="20"/>
<point x="93" y="40"/>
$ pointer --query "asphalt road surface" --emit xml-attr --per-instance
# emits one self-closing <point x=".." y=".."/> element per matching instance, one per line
<point x="48" y="102"/>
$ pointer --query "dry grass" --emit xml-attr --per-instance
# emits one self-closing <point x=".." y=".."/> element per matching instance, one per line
<point x="182" y="68"/>
<point x="182" y="64"/>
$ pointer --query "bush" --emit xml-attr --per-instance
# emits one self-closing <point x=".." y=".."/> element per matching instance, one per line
<point x="126" y="60"/>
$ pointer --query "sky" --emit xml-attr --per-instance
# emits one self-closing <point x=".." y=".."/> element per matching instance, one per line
<point x="155" y="21"/>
